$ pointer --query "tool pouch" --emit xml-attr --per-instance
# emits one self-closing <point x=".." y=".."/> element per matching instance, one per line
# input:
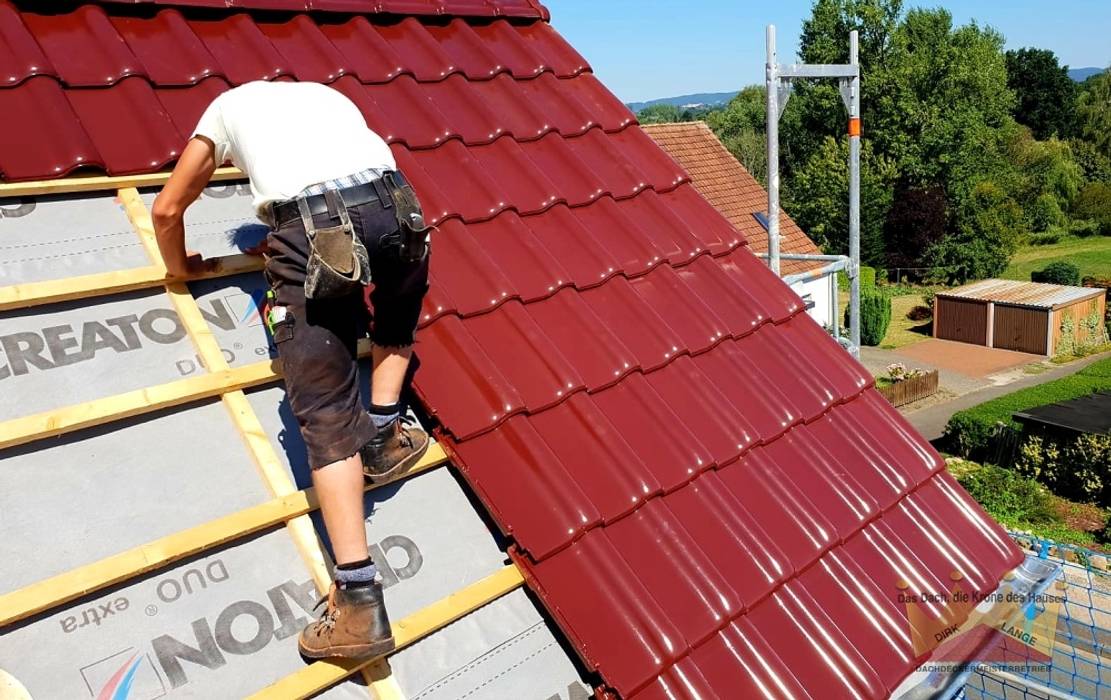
<point x="338" y="263"/>
<point x="410" y="220"/>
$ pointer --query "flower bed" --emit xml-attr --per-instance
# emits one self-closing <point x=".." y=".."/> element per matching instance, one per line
<point x="907" y="386"/>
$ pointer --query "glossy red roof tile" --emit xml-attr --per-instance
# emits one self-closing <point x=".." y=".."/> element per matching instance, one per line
<point x="242" y="50"/>
<point x="185" y="105"/>
<point x="20" y="55"/>
<point x="128" y="126"/>
<point x="699" y="483"/>
<point x="147" y="37"/>
<point x="83" y="46"/>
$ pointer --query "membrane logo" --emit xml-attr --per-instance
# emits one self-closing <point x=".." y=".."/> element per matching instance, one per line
<point x="61" y="345"/>
<point x="126" y="675"/>
<point x="965" y="627"/>
<point x="246" y="308"/>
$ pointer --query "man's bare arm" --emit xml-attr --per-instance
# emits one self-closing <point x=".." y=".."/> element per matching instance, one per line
<point x="192" y="173"/>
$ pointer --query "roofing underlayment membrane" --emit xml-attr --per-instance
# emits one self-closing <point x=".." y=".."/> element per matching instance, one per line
<point x="703" y="490"/>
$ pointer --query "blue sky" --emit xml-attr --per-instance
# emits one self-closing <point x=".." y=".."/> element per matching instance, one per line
<point x="644" y="49"/>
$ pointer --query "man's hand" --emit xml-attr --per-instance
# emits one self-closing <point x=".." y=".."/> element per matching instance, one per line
<point x="193" y="171"/>
<point x="260" y="248"/>
<point x="191" y="265"/>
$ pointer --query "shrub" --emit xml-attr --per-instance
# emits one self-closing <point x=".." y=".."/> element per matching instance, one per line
<point x="1094" y="202"/>
<point x="1045" y="213"/>
<point x="1084" y="228"/>
<point x="1058" y="273"/>
<point x="1074" y="468"/>
<point x="928" y="298"/>
<point x="867" y="277"/>
<point x="986" y="428"/>
<point x="1045" y="238"/>
<point x="1008" y="496"/>
<point x="875" y="316"/>
<point x="920" y="313"/>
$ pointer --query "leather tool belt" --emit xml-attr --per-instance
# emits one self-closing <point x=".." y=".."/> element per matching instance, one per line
<point x="338" y="263"/>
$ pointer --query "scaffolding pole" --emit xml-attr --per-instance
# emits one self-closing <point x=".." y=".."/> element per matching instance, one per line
<point x="778" y="84"/>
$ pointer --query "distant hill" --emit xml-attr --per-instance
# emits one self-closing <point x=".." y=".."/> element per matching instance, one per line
<point x="709" y="99"/>
<point x="1082" y="74"/>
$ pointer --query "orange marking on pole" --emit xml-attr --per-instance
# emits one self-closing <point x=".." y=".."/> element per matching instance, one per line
<point x="854" y="126"/>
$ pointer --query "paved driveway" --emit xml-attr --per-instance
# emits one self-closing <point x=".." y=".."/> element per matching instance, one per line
<point x="970" y="360"/>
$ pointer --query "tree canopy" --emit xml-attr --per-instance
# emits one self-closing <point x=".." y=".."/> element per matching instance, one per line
<point x="966" y="148"/>
<point x="1046" y="95"/>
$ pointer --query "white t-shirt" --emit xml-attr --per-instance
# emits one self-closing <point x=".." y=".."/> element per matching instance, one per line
<point x="286" y="136"/>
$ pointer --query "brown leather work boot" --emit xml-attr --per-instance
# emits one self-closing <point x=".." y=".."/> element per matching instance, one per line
<point x="393" y="451"/>
<point x="354" y="625"/>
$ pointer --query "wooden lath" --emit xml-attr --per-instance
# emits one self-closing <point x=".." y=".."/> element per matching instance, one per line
<point x="58" y="590"/>
<point x="89" y="414"/>
<point x="21" y="296"/>
<point x="320" y="675"/>
<point x="93" y="183"/>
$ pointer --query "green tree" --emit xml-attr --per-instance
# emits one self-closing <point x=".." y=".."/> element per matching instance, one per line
<point x="936" y="109"/>
<point x="1046" y="95"/>
<point x="1093" y="112"/>
<point x="1095" y="165"/>
<point x="986" y="237"/>
<point x="817" y="196"/>
<point x="1094" y="204"/>
<point x="660" y="114"/>
<point x="741" y="127"/>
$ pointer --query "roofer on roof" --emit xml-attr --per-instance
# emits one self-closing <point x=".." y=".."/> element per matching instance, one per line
<point x="340" y="215"/>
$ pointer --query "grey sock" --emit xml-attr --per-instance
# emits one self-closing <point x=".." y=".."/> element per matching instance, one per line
<point x="383" y="416"/>
<point x="358" y="574"/>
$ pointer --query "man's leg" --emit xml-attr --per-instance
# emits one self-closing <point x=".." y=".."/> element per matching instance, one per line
<point x="316" y="342"/>
<point x="399" y="288"/>
<point x="388" y="375"/>
<point x="339" y="488"/>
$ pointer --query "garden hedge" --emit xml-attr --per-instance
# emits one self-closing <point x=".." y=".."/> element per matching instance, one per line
<point x="972" y="433"/>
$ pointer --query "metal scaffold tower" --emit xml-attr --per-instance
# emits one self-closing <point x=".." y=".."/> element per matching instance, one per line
<point x="779" y="81"/>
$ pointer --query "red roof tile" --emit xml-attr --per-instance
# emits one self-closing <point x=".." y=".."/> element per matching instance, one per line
<point x="697" y="478"/>
<point x="723" y="181"/>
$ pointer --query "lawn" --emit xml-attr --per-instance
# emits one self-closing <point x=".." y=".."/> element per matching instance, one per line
<point x="1092" y="255"/>
<point x="902" y="330"/>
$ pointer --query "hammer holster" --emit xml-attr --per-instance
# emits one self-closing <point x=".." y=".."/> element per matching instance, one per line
<point x="414" y="233"/>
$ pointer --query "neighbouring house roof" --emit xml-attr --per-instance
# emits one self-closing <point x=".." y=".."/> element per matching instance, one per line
<point x="702" y="487"/>
<point x="724" y="182"/>
<point x="1035" y="294"/>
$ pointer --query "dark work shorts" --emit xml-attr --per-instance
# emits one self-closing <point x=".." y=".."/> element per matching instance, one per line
<point x="317" y="342"/>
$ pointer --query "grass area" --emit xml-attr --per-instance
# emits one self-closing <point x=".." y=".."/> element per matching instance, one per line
<point x="902" y="330"/>
<point x="1023" y="504"/>
<point x="1092" y="255"/>
<point x="973" y="433"/>
<point x="1094" y="377"/>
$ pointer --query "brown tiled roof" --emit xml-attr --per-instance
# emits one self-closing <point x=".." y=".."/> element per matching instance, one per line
<point x="721" y="179"/>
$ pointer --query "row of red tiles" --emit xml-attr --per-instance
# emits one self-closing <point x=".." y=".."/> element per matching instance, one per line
<point x="131" y="127"/>
<point x="531" y="258"/>
<point x="526" y="357"/>
<point x="478" y="8"/>
<point x="681" y="576"/>
<point x="478" y="183"/>
<point x="647" y="434"/>
<point x="88" y="47"/>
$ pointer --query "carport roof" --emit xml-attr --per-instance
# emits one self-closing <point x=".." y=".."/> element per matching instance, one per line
<point x="1034" y="294"/>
